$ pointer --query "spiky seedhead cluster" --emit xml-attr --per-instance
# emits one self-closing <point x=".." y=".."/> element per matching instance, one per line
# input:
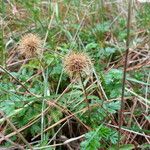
<point x="77" y="64"/>
<point x="30" y="45"/>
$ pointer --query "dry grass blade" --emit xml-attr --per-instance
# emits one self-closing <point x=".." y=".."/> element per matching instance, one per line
<point x="17" y="80"/>
<point x="15" y="129"/>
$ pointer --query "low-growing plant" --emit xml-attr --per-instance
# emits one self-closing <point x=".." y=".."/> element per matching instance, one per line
<point x="61" y="73"/>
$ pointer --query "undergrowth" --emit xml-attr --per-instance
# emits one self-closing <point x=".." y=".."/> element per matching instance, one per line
<point x="43" y="107"/>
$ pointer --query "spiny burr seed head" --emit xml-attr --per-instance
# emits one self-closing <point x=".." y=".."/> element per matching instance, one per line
<point x="30" y="45"/>
<point x="76" y="64"/>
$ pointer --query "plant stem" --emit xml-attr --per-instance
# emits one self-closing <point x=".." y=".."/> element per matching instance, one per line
<point x="120" y="114"/>
<point x="46" y="93"/>
<point x="85" y="94"/>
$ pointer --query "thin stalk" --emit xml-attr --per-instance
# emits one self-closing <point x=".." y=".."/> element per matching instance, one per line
<point x="99" y="84"/>
<point x="46" y="90"/>
<point x="120" y="114"/>
<point x="11" y="142"/>
<point x="85" y="94"/>
<point x="59" y="81"/>
<point x="46" y="93"/>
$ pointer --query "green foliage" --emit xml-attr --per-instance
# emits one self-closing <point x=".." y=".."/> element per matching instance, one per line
<point x="145" y="146"/>
<point x="120" y="30"/>
<point x="101" y="112"/>
<point x="100" y="29"/>
<point x="94" y="139"/>
<point x="113" y="83"/>
<point x="143" y="16"/>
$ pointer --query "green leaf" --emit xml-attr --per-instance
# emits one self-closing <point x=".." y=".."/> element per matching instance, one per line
<point x="123" y="147"/>
<point x="109" y="50"/>
<point x="112" y="107"/>
<point x="92" y="142"/>
<point x="93" y="138"/>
